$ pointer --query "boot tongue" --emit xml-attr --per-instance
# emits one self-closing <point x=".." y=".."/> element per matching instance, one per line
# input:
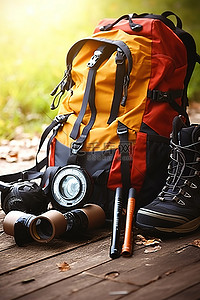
<point x="185" y="136"/>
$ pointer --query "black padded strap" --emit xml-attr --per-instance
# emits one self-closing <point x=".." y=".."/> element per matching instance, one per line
<point x="124" y="148"/>
<point x="119" y="80"/>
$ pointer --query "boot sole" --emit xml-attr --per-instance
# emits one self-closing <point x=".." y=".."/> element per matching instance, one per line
<point x="184" y="228"/>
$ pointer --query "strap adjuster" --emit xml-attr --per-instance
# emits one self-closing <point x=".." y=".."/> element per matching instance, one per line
<point x="94" y="58"/>
<point x="60" y="119"/>
<point x="77" y="145"/>
<point x="120" y="57"/>
<point x="158" y="96"/>
<point x="122" y="129"/>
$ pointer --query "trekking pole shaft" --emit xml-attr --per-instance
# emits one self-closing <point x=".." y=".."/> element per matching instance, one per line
<point x="128" y="237"/>
<point x="115" y="250"/>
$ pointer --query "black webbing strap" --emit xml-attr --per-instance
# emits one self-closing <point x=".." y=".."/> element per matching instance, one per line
<point x="77" y="145"/>
<point x="29" y="174"/>
<point x="169" y="96"/>
<point x="119" y="80"/>
<point x="124" y="148"/>
<point x="57" y="122"/>
<point x="35" y="171"/>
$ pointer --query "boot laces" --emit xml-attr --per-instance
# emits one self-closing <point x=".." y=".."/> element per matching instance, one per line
<point x="180" y="171"/>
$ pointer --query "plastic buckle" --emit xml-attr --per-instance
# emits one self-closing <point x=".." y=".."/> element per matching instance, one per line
<point x="76" y="147"/>
<point x="122" y="129"/>
<point x="159" y="96"/>
<point x="119" y="58"/>
<point x="94" y="59"/>
<point x="61" y="118"/>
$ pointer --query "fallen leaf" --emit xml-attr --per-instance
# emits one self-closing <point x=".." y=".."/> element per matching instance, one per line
<point x="141" y="240"/>
<point x="141" y="237"/>
<point x="196" y="243"/>
<point x="151" y="242"/>
<point x="152" y="249"/>
<point x="63" y="266"/>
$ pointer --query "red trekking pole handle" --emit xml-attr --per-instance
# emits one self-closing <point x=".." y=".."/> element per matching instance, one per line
<point x="128" y="237"/>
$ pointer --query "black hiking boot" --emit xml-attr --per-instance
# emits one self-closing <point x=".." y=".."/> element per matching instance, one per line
<point x="177" y="207"/>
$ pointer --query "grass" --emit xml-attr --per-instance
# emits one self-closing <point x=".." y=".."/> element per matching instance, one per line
<point x="34" y="39"/>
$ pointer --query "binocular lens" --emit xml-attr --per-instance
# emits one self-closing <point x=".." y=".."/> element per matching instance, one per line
<point x="70" y="187"/>
<point x="42" y="229"/>
<point x="47" y="226"/>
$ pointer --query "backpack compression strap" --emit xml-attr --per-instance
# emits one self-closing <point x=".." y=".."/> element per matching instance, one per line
<point x="169" y="97"/>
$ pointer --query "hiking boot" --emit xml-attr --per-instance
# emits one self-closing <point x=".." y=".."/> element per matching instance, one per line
<point x="177" y="207"/>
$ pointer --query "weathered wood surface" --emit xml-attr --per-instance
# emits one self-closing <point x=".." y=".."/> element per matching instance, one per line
<point x="32" y="272"/>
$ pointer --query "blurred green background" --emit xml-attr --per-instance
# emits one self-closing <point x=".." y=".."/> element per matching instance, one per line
<point x="35" y="36"/>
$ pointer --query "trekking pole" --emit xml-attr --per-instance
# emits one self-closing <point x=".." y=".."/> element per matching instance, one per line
<point x="128" y="237"/>
<point x="115" y="249"/>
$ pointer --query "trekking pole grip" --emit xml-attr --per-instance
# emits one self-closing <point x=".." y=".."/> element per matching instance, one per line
<point x="115" y="250"/>
<point x="128" y="237"/>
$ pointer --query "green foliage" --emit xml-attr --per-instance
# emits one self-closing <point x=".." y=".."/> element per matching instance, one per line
<point x="35" y="37"/>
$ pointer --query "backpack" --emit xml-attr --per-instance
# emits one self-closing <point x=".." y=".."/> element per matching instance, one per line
<point x="124" y="85"/>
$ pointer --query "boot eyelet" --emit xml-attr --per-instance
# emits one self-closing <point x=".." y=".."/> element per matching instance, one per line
<point x="190" y="184"/>
<point x="193" y="186"/>
<point x="186" y="194"/>
<point x="181" y="202"/>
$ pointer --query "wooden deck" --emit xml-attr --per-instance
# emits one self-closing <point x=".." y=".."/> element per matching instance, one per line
<point x="82" y="269"/>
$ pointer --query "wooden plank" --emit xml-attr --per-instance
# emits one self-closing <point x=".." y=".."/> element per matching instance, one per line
<point x="161" y="266"/>
<point x="46" y="272"/>
<point x="63" y="288"/>
<point x="139" y="258"/>
<point x="16" y="257"/>
<point x="168" y="286"/>
<point x="192" y="293"/>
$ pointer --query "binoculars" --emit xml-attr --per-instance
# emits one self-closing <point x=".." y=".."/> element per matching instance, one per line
<point x="43" y="228"/>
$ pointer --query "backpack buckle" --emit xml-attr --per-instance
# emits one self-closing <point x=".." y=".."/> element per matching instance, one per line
<point x="77" y="145"/>
<point x="120" y="57"/>
<point x="61" y="118"/>
<point x="158" y="96"/>
<point x="94" y="58"/>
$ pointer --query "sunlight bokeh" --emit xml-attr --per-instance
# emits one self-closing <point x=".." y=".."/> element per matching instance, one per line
<point x="35" y="36"/>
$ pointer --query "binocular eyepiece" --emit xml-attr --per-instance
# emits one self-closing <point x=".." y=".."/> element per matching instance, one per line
<point x="43" y="228"/>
